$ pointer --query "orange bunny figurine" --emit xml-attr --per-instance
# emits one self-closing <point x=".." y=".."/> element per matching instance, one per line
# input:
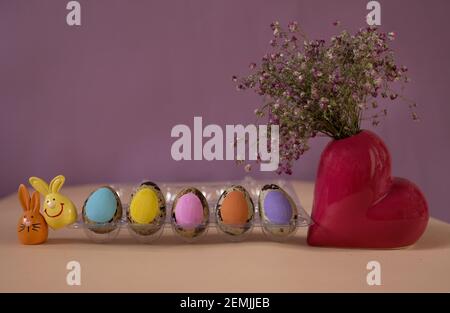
<point x="32" y="228"/>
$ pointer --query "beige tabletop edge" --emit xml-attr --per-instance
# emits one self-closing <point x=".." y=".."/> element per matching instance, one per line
<point x="213" y="264"/>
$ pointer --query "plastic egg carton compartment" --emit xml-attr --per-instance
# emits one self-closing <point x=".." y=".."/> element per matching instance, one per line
<point x="212" y="192"/>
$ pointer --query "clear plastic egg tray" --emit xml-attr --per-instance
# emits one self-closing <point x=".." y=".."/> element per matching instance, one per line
<point x="212" y="191"/>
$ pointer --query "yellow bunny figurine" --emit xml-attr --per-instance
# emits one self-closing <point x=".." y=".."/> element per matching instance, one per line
<point x="59" y="211"/>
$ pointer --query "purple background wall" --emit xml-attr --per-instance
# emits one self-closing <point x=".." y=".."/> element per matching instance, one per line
<point x="97" y="102"/>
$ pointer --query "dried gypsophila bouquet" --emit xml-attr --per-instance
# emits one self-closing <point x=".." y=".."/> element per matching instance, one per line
<point x="316" y="88"/>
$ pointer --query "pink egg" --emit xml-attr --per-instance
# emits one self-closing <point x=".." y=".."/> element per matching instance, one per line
<point x="189" y="211"/>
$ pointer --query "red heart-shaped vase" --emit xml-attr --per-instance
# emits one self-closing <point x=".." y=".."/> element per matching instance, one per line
<point x="357" y="203"/>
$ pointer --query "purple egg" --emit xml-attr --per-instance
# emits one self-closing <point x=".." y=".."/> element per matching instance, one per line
<point x="277" y="207"/>
<point x="189" y="211"/>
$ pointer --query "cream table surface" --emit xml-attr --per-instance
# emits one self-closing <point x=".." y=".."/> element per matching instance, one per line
<point x="214" y="265"/>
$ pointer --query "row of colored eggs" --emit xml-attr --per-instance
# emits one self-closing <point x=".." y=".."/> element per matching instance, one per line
<point x="190" y="214"/>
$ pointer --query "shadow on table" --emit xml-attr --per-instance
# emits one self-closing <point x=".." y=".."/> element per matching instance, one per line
<point x="217" y="239"/>
<point x="68" y="241"/>
<point x="170" y="239"/>
<point x="436" y="236"/>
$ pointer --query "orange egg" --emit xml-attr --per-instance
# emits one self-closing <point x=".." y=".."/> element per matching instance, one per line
<point x="234" y="209"/>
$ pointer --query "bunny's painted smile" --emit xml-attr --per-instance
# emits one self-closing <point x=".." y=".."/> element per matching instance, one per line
<point x="56" y="215"/>
<point x="59" y="211"/>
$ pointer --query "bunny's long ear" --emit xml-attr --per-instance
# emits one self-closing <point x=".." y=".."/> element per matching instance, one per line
<point x="35" y="203"/>
<point x="24" y="197"/>
<point x="57" y="183"/>
<point x="39" y="185"/>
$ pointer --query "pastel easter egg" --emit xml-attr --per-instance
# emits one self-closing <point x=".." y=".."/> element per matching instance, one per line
<point x="190" y="213"/>
<point x="235" y="211"/>
<point x="277" y="211"/>
<point x="102" y="209"/>
<point x="144" y="206"/>
<point x="147" y="210"/>
<point x="277" y="207"/>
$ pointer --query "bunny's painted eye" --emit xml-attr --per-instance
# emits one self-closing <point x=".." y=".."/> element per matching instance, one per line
<point x="54" y="199"/>
<point x="32" y="216"/>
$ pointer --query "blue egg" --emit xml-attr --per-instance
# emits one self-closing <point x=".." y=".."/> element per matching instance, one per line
<point x="101" y="206"/>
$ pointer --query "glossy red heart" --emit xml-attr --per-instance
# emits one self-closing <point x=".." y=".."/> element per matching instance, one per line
<point x="358" y="204"/>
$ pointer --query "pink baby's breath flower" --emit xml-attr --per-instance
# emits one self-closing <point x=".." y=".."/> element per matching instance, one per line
<point x="293" y="27"/>
<point x="323" y="103"/>
<point x="323" y="87"/>
<point x="275" y="25"/>
<point x="276" y="32"/>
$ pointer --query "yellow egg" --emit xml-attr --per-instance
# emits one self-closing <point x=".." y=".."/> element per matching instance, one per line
<point x="144" y="206"/>
<point x="147" y="212"/>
